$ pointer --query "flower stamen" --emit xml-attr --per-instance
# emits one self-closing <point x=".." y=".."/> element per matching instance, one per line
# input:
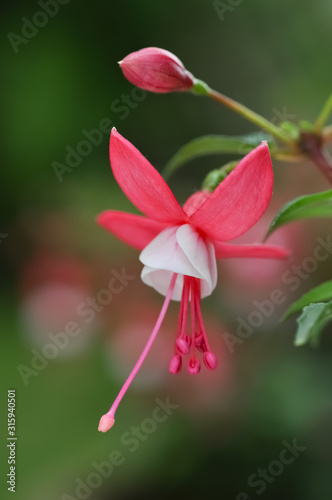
<point x="182" y="343"/>
<point x="175" y="364"/>
<point x="197" y="340"/>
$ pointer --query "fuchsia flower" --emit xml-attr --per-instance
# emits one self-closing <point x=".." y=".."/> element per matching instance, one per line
<point x="156" y="70"/>
<point x="180" y="245"/>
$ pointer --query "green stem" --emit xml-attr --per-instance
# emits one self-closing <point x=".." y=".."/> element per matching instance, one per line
<point x="311" y="145"/>
<point x="323" y="116"/>
<point x="203" y="89"/>
<point x="322" y="160"/>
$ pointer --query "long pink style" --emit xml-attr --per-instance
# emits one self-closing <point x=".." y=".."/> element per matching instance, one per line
<point x="107" y="420"/>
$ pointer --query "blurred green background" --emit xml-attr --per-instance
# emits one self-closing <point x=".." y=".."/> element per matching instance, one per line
<point x="63" y="80"/>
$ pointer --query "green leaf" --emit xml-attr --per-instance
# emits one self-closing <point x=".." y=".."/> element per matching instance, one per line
<point x="304" y="207"/>
<point x="317" y="294"/>
<point x="216" y="144"/>
<point x="311" y="322"/>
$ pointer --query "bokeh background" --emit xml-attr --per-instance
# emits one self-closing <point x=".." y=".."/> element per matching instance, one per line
<point x="272" y="56"/>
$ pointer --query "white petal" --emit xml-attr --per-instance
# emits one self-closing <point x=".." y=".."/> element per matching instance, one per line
<point x="199" y="254"/>
<point x="160" y="281"/>
<point x="206" y="290"/>
<point x="164" y="252"/>
<point x="179" y="249"/>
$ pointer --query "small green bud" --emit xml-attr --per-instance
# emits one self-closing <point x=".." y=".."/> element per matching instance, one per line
<point x="291" y="129"/>
<point x="215" y="177"/>
<point x="306" y="126"/>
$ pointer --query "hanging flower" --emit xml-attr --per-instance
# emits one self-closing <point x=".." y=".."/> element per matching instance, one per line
<point x="180" y="244"/>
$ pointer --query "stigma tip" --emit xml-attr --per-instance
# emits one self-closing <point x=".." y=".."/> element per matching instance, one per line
<point x="106" y="423"/>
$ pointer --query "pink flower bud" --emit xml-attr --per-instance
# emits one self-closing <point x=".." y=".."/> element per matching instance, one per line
<point x="175" y="364"/>
<point x="210" y="361"/>
<point x="194" y="366"/>
<point x="156" y="70"/>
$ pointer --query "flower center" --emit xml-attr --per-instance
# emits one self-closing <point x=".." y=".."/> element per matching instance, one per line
<point x="188" y="344"/>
